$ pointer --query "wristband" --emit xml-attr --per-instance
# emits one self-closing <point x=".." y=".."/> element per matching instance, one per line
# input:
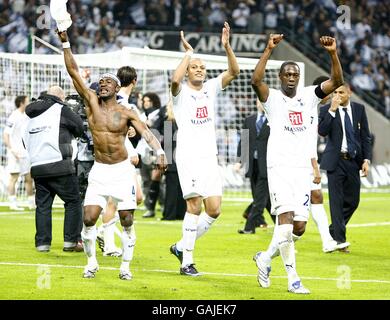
<point x="189" y="53"/>
<point x="66" y="45"/>
<point x="160" y="152"/>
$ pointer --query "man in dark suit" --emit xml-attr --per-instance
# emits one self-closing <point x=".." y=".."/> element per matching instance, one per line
<point x="347" y="151"/>
<point x="256" y="168"/>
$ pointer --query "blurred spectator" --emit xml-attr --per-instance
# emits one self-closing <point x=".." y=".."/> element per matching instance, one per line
<point x="151" y="177"/>
<point x="256" y="23"/>
<point x="3" y="47"/>
<point x="175" y="14"/>
<point x="271" y="17"/>
<point x="240" y="15"/>
<point x="218" y="13"/>
<point x="387" y="103"/>
<point x="364" y="80"/>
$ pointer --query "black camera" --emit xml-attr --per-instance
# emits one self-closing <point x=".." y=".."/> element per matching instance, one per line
<point x="76" y="104"/>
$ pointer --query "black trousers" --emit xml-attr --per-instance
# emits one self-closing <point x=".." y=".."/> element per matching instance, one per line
<point x="146" y="175"/>
<point x="344" y="196"/>
<point x="175" y="206"/>
<point x="261" y="200"/>
<point x="67" y="188"/>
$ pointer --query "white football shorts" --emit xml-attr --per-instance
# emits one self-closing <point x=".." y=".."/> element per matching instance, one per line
<point x="21" y="165"/>
<point x="289" y="190"/>
<point x="112" y="180"/>
<point x="199" y="177"/>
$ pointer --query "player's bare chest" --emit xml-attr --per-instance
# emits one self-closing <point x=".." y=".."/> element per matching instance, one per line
<point x="112" y="121"/>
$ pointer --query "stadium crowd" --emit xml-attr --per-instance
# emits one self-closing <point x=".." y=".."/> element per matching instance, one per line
<point x="102" y="25"/>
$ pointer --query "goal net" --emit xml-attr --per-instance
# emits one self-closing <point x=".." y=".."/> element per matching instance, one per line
<point x="22" y="74"/>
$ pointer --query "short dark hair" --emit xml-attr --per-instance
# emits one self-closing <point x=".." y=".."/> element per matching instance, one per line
<point x="154" y="98"/>
<point x="287" y="63"/>
<point x="317" y="81"/>
<point x="126" y="75"/>
<point x="19" y="100"/>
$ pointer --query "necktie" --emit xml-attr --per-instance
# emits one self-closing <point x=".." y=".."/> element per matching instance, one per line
<point x="259" y="123"/>
<point x="349" y="132"/>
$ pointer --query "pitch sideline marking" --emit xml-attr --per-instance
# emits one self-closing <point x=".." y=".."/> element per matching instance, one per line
<point x="21" y="264"/>
<point x="14" y="214"/>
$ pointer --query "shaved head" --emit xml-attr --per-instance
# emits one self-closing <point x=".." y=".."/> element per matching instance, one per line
<point x="57" y="91"/>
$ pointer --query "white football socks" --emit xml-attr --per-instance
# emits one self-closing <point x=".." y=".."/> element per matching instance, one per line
<point x="88" y="235"/>
<point x="31" y="201"/>
<point x="204" y="224"/>
<point x="128" y="243"/>
<point x="13" y="201"/>
<point x="287" y="250"/>
<point x="190" y="223"/>
<point x="109" y="235"/>
<point x="273" y="248"/>
<point x="319" y="216"/>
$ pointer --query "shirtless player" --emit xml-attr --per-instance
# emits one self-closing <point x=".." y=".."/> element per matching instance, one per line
<point x="111" y="173"/>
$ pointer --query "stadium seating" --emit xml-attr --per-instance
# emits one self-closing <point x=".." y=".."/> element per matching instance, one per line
<point x="361" y="27"/>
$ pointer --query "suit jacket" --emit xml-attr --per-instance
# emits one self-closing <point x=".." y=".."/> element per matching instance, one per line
<point x="258" y="142"/>
<point x="332" y="129"/>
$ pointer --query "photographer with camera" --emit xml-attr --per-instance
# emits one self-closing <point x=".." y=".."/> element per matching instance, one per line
<point x="48" y="139"/>
<point x="85" y="157"/>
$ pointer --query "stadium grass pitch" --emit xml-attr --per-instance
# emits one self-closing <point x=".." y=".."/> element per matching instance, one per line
<point x="222" y="255"/>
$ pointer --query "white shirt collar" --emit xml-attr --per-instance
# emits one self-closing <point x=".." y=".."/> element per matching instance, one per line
<point x="348" y="106"/>
<point x="259" y="114"/>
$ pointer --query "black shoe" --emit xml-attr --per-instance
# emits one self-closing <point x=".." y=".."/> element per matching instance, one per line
<point x="189" y="270"/>
<point x="149" y="214"/>
<point x="246" y="231"/>
<point x="178" y="254"/>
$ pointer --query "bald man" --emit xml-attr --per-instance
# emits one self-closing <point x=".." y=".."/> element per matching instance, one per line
<point x="50" y="130"/>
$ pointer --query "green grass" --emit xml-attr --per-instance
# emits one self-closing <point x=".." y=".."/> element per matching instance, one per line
<point x="222" y="254"/>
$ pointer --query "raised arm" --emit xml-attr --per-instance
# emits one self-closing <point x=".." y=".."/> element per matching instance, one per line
<point x="181" y="70"/>
<point x="260" y="87"/>
<point x="233" y="69"/>
<point x="336" y="72"/>
<point x="73" y="70"/>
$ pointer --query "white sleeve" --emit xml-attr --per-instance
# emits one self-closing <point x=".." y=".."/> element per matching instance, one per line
<point x="219" y="84"/>
<point x="9" y="125"/>
<point x="314" y="136"/>
<point x="313" y="148"/>
<point x="268" y="104"/>
<point x="177" y="100"/>
<point x="215" y="84"/>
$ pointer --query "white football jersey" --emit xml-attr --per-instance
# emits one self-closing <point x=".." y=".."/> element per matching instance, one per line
<point x="15" y="128"/>
<point x="194" y="112"/>
<point x="290" y="143"/>
<point x="122" y="98"/>
<point x="314" y="135"/>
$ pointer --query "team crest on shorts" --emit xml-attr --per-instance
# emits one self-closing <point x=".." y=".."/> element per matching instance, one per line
<point x="295" y="118"/>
